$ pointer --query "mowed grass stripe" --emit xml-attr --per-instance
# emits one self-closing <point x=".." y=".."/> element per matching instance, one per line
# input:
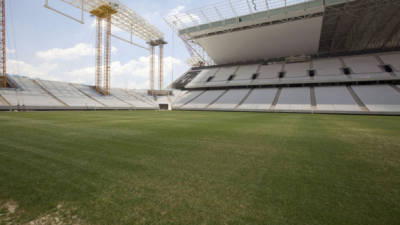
<point x="148" y="167"/>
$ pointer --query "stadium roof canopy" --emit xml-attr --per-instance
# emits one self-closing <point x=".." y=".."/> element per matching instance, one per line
<point x="247" y="30"/>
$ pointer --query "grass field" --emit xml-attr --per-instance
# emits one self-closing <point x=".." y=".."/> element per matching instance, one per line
<point x="149" y="167"/>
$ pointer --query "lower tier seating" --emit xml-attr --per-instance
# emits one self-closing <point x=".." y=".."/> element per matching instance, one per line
<point x="374" y="99"/>
<point x="41" y="94"/>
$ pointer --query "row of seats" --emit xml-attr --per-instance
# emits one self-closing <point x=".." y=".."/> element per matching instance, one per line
<point x="364" y="67"/>
<point x="356" y="98"/>
<point x="41" y="93"/>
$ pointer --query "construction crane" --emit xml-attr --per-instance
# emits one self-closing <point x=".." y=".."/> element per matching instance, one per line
<point x="110" y="13"/>
<point x="3" y="46"/>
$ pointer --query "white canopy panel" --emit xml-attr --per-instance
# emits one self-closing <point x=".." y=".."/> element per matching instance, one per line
<point x="280" y="40"/>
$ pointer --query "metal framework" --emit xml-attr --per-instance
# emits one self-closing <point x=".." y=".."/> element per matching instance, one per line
<point x="361" y="26"/>
<point x="227" y="10"/>
<point x="161" y="69"/>
<point x="152" y="64"/>
<point x="3" y="47"/>
<point x="235" y="15"/>
<point x="99" y="49"/>
<point x="113" y="13"/>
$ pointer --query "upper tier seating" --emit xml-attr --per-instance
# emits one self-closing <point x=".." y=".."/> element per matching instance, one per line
<point x="363" y="64"/>
<point x="245" y="74"/>
<point x="294" y="99"/>
<point x="392" y="59"/>
<point x="270" y="71"/>
<point x="205" y="99"/>
<point x="365" y="67"/>
<point x="259" y="99"/>
<point x="230" y="99"/>
<point x="204" y="75"/>
<point x="324" y="70"/>
<point x="329" y="70"/>
<point x="296" y="71"/>
<point x="336" y="98"/>
<point x="379" y="98"/>
<point x="222" y="76"/>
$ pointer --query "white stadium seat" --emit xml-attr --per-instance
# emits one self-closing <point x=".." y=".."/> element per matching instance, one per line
<point x="380" y="98"/>
<point x="107" y="101"/>
<point x="204" y="100"/>
<point x="296" y="99"/>
<point x="270" y="71"/>
<point x="297" y="70"/>
<point x="259" y="99"/>
<point x="363" y="64"/>
<point x="336" y="98"/>
<point x="29" y="94"/>
<point x="327" y="67"/>
<point x="392" y="59"/>
<point x="186" y="98"/>
<point x="230" y="99"/>
<point x="204" y="75"/>
<point x="131" y="99"/>
<point x="68" y="94"/>
<point x="246" y="72"/>
<point x="224" y="73"/>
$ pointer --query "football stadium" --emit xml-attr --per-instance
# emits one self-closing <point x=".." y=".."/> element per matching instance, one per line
<point x="287" y="113"/>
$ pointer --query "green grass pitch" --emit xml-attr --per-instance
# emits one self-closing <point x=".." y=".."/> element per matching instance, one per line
<point x="150" y="167"/>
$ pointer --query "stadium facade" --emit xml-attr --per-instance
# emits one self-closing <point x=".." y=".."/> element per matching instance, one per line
<point x="311" y="56"/>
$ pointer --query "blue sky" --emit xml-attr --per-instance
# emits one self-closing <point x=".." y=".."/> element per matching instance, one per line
<point x="46" y="45"/>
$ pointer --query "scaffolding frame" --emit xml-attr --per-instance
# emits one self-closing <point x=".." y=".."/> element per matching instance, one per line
<point x="3" y="46"/>
<point x="229" y="15"/>
<point x="114" y="13"/>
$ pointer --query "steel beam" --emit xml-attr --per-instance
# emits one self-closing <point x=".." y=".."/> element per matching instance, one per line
<point x="3" y="47"/>
<point x="152" y="64"/>
<point x="161" y="69"/>
<point x="99" y="52"/>
<point x="107" y="57"/>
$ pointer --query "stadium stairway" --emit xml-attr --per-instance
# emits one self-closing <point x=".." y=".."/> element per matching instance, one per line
<point x="3" y="101"/>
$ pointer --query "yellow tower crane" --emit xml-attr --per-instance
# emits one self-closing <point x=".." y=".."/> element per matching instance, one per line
<point x="113" y="12"/>
<point x="3" y="46"/>
<point x="103" y="13"/>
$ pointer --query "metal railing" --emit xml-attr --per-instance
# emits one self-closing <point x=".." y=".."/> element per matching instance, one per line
<point x="226" y="10"/>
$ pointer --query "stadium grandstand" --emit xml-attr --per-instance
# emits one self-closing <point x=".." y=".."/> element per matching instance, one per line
<point x="308" y="56"/>
<point x="292" y="56"/>
<point x="288" y="113"/>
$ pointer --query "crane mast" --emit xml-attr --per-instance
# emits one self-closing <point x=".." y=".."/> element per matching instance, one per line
<point x="113" y="12"/>
<point x="103" y="13"/>
<point x="3" y="46"/>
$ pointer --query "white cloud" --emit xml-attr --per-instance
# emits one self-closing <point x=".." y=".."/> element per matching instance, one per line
<point x="22" y="68"/>
<point x="132" y="74"/>
<point x="79" y="50"/>
<point x="184" y="18"/>
<point x="51" y="65"/>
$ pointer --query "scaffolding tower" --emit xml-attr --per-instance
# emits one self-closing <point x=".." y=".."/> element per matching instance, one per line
<point x="113" y="12"/>
<point x="3" y="47"/>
